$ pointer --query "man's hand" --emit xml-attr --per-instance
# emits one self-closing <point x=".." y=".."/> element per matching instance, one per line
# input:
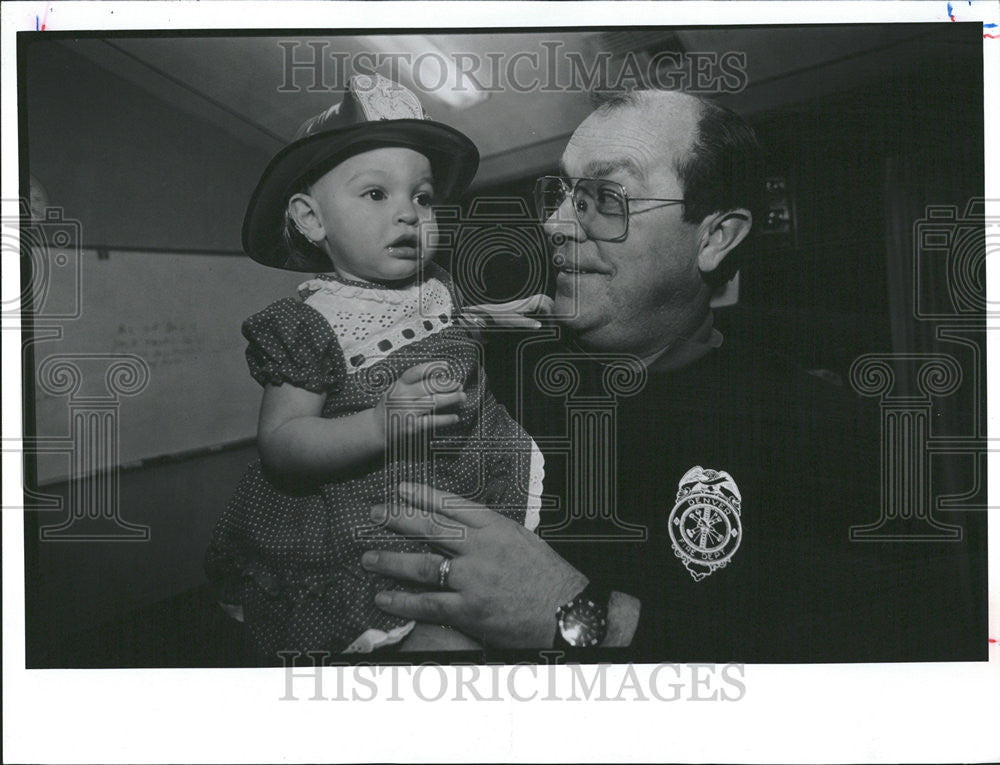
<point x="510" y="314"/>
<point x="504" y="585"/>
<point x="420" y="399"/>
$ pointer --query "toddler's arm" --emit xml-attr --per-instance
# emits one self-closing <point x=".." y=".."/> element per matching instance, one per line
<point x="295" y="441"/>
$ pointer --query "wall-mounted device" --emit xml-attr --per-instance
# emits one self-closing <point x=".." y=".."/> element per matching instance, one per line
<point x="779" y="215"/>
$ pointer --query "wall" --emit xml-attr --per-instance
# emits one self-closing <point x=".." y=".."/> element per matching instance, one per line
<point x="136" y="174"/>
<point x="825" y="300"/>
<point x="132" y="170"/>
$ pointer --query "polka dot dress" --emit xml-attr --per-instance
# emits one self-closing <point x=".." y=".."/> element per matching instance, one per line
<point x="290" y="553"/>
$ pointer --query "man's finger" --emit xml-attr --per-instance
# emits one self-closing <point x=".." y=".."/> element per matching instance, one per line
<point x="516" y="320"/>
<point x="419" y="525"/>
<point x="423" y="568"/>
<point x="509" y="314"/>
<point x="544" y="305"/>
<point x="448" y="505"/>
<point x="534" y="304"/>
<point x="433" y="607"/>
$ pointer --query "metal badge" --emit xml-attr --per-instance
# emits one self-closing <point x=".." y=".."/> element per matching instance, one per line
<point x="705" y="528"/>
<point x="382" y="99"/>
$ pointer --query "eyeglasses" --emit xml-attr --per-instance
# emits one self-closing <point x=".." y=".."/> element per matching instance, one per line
<point x="601" y="207"/>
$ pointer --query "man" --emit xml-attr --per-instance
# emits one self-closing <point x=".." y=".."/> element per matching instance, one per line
<point x="737" y="476"/>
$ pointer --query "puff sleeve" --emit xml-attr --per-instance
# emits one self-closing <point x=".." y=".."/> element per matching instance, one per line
<point x="289" y="342"/>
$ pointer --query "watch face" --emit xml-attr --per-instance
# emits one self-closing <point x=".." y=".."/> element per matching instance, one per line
<point x="583" y="623"/>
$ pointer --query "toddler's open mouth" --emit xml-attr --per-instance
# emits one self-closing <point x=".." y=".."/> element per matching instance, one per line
<point x="406" y="247"/>
<point x="407" y="240"/>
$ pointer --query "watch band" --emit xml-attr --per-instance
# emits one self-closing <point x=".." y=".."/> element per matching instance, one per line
<point x="583" y="621"/>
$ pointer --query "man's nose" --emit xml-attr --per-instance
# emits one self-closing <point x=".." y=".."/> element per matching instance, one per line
<point x="563" y="225"/>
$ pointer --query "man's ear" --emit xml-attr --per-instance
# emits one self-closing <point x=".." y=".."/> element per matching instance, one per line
<point x="304" y="212"/>
<point x="719" y="234"/>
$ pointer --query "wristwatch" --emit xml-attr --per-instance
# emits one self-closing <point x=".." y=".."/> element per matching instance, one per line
<point x="583" y="621"/>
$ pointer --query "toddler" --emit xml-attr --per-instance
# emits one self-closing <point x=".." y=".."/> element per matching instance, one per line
<point x="359" y="371"/>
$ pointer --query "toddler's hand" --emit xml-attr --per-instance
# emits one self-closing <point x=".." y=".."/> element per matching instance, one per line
<point x="510" y="314"/>
<point x="420" y="400"/>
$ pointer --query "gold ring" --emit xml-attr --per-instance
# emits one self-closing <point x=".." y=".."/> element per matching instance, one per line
<point x="443" y="571"/>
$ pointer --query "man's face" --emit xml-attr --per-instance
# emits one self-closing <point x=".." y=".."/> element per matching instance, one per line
<point x="640" y="294"/>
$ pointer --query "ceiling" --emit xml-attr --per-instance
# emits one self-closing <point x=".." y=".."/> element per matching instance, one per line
<point x="236" y="82"/>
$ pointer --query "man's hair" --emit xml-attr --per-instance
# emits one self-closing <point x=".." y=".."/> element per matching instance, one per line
<point x="723" y="171"/>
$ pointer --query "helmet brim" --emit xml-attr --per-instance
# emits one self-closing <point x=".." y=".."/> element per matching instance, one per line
<point x="454" y="160"/>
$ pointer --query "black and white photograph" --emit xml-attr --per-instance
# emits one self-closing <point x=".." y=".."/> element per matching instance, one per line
<point x="505" y="352"/>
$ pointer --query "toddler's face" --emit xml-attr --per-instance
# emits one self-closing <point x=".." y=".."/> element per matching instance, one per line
<point x="370" y="207"/>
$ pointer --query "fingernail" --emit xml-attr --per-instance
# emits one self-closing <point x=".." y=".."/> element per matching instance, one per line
<point x="370" y="558"/>
<point x="383" y="599"/>
<point x="535" y="324"/>
<point x="378" y="513"/>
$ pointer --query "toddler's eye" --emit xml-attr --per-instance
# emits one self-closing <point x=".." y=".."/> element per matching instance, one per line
<point x="376" y="195"/>
<point x="425" y="198"/>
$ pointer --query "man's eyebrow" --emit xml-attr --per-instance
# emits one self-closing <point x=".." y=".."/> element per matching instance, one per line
<point x="604" y="168"/>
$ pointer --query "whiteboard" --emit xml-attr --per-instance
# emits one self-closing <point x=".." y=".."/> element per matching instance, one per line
<point x="173" y="318"/>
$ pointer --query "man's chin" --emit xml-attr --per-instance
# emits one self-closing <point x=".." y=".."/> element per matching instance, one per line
<point x="576" y="322"/>
<point x="592" y="334"/>
<point x="570" y="313"/>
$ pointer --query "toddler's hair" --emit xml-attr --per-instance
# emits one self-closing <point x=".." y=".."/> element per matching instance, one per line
<point x="302" y="254"/>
